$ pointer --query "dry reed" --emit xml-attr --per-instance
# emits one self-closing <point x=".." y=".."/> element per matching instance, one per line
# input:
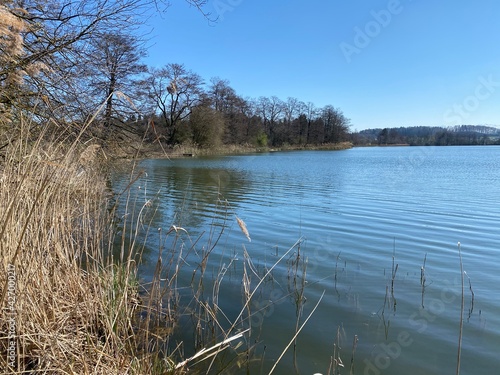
<point x="243" y="228"/>
<point x="51" y="235"/>
<point x="461" y="325"/>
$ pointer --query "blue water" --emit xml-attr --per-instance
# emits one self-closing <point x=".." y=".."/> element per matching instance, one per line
<point x="358" y="214"/>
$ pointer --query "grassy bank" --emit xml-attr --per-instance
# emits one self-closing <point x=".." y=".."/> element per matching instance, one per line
<point x="155" y="151"/>
<point x="247" y="149"/>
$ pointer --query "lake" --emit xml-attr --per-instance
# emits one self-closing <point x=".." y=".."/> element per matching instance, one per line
<point x="373" y="235"/>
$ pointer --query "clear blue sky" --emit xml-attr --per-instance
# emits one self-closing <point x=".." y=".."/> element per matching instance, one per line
<point x="383" y="63"/>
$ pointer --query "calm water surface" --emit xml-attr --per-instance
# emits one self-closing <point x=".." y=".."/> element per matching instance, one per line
<point x="362" y="216"/>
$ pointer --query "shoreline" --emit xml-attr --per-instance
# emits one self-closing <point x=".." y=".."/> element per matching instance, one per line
<point x="180" y="152"/>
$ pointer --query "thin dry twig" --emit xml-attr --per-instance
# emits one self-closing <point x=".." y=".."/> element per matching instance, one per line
<point x="209" y="352"/>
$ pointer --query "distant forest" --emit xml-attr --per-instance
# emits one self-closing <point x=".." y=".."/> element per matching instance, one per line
<point x="429" y="136"/>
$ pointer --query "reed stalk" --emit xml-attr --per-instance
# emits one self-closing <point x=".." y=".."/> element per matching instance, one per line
<point x="296" y="334"/>
<point x="423" y="279"/>
<point x="471" y="309"/>
<point x="459" y="350"/>
<point x="354" y="346"/>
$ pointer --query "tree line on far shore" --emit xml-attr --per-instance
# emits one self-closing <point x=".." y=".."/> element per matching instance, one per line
<point x="429" y="136"/>
<point x="184" y="109"/>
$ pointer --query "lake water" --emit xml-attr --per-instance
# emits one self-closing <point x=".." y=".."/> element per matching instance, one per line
<point x="368" y="220"/>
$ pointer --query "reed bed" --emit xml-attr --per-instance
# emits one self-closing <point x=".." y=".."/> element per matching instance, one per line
<point x="56" y="297"/>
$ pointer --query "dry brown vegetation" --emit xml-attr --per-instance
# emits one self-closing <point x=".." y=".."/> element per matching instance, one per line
<point x="53" y="212"/>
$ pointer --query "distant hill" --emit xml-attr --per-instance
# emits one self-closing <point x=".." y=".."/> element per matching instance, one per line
<point x="429" y="136"/>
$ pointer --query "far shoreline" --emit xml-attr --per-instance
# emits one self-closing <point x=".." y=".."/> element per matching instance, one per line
<point x="184" y="152"/>
<point x="149" y="151"/>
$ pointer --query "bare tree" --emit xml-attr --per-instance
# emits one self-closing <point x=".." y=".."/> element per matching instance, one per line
<point x="335" y="123"/>
<point x="45" y="43"/>
<point x="236" y="110"/>
<point x="263" y="109"/>
<point x="222" y="96"/>
<point x="276" y="107"/>
<point x="57" y="34"/>
<point x="12" y="51"/>
<point x="116" y="69"/>
<point x="310" y="113"/>
<point x="292" y="108"/>
<point x="175" y="92"/>
<point x="270" y="110"/>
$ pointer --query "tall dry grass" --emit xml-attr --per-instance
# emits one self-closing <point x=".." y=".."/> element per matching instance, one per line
<point x="56" y="305"/>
